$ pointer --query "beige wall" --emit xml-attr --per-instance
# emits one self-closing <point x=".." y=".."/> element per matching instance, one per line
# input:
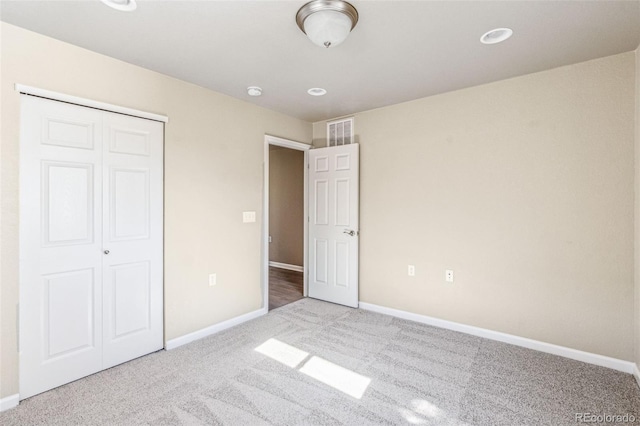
<point x="286" y="205"/>
<point x="525" y="188"/>
<point x="213" y="172"/>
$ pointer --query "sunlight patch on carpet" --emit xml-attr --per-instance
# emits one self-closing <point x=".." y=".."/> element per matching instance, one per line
<point x="423" y="412"/>
<point x="281" y="352"/>
<point x="340" y="378"/>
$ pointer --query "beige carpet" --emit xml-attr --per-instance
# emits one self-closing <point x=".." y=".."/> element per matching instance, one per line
<point x="315" y="363"/>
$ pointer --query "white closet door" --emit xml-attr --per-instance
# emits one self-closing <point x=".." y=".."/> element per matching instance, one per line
<point x="60" y="244"/>
<point x="91" y="207"/>
<point x="132" y="237"/>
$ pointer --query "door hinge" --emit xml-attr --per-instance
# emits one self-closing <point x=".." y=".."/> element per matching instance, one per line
<point x="18" y="326"/>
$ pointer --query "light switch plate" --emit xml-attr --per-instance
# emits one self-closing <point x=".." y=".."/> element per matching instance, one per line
<point x="248" y="217"/>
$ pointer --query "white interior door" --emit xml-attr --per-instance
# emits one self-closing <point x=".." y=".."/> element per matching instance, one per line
<point x="132" y="238"/>
<point x="69" y="298"/>
<point x="60" y="250"/>
<point x="334" y="224"/>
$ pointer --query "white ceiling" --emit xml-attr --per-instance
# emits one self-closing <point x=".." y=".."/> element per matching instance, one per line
<point x="399" y="51"/>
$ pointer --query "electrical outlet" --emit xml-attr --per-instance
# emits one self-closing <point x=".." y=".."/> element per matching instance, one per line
<point x="213" y="279"/>
<point x="270" y="239"/>
<point x="411" y="270"/>
<point x="448" y="275"/>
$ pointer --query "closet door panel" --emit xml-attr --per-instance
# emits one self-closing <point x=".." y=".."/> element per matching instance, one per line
<point x="91" y="217"/>
<point x="132" y="229"/>
<point x="60" y="244"/>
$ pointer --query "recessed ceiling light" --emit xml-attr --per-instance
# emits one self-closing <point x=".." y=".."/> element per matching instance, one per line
<point x="496" y="36"/>
<point x="316" y="91"/>
<point x="254" y="91"/>
<point x="123" y="5"/>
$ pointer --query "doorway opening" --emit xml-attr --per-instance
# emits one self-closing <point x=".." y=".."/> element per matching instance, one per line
<point x="285" y="222"/>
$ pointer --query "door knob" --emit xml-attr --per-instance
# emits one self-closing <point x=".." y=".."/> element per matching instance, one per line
<point x="350" y="232"/>
<point x="106" y="252"/>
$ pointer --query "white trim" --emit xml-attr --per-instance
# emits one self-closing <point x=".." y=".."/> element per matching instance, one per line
<point x="590" y="358"/>
<point x="9" y="402"/>
<point x="286" y="143"/>
<point x="286" y="266"/>
<point x="636" y="374"/>
<point x="213" y="329"/>
<point x="43" y="93"/>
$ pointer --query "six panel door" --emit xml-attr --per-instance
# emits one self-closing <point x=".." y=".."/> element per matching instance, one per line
<point x="333" y="224"/>
<point x="71" y="292"/>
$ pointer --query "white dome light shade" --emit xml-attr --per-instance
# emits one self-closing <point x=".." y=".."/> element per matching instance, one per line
<point x="327" y="28"/>
<point x="123" y="5"/>
<point x="327" y="23"/>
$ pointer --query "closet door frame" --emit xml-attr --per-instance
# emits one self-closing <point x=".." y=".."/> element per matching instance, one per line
<point x="24" y="232"/>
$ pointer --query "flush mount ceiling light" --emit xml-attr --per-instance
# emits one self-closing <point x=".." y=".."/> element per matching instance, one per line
<point x="496" y="36"/>
<point x="317" y="91"/>
<point x="254" y="91"/>
<point x="327" y="23"/>
<point x="123" y="5"/>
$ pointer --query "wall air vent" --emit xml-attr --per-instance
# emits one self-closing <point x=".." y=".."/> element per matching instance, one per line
<point x="340" y="132"/>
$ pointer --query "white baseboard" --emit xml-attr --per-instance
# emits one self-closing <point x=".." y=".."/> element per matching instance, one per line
<point x="216" y="328"/>
<point x="9" y="402"/>
<point x="590" y="358"/>
<point x="286" y="266"/>
<point x="636" y="374"/>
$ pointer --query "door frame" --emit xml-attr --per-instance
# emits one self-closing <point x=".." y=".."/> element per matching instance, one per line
<point x="299" y="146"/>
